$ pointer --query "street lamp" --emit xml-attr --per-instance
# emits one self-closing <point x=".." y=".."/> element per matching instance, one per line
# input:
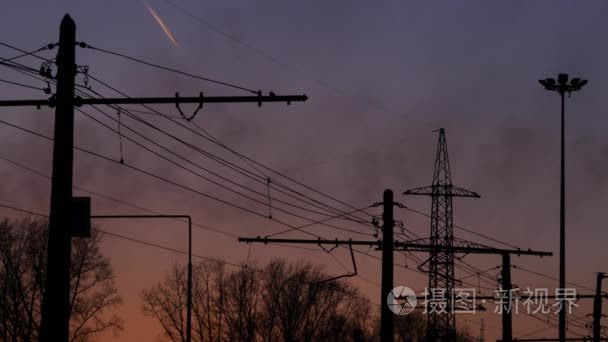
<point x="562" y="87"/>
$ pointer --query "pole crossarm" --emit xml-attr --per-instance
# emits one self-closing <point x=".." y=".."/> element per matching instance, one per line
<point x="78" y="101"/>
<point x="139" y="216"/>
<point x="350" y="242"/>
<point x="442" y="190"/>
<point x="405" y="246"/>
<point x="417" y="247"/>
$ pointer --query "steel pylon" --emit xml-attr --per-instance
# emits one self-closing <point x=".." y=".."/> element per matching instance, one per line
<point x="441" y="326"/>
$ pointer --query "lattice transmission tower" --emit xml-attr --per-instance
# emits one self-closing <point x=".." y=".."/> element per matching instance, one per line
<point x="441" y="326"/>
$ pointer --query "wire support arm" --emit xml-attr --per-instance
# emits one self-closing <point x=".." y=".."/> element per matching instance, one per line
<point x="51" y="102"/>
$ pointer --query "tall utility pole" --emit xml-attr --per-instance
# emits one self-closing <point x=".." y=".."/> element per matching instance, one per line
<point x="442" y="326"/>
<point x="507" y="320"/>
<point x="55" y="313"/>
<point x="597" y="307"/>
<point x="55" y="320"/>
<point x="562" y="87"/>
<point x="388" y="221"/>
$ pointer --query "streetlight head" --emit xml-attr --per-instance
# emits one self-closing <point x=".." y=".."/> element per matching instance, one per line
<point x="575" y="81"/>
<point x="582" y="83"/>
<point x="562" y="78"/>
<point x="550" y="81"/>
<point x="543" y="83"/>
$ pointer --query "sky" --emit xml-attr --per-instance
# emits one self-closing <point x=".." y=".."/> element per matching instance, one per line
<point x="381" y="77"/>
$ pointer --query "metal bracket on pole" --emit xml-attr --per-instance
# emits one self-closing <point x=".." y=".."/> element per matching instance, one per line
<point x="347" y="275"/>
<point x="189" y="118"/>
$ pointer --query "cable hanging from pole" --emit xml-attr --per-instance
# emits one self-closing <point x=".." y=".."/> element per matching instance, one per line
<point x="122" y="160"/>
<point x="269" y="200"/>
<point x="85" y="45"/>
<point x="26" y="53"/>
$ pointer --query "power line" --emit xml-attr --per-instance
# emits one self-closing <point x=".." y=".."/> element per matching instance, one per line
<point x="217" y="175"/>
<point x="26" y="53"/>
<point x="234" y="191"/>
<point x="216" y="158"/>
<point x="21" y="84"/>
<point x="215" y="141"/>
<point x="23" y="210"/>
<point x="466" y="229"/>
<point x="550" y="277"/>
<point x="195" y="132"/>
<point x="168" y="69"/>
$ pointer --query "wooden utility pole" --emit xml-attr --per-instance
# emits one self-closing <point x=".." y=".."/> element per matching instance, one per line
<point x="388" y="221"/>
<point x="507" y="319"/>
<point x="597" y="307"/>
<point x="55" y="313"/>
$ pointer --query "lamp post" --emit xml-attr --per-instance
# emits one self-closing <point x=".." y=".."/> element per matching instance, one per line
<point x="562" y="87"/>
<point x="189" y="285"/>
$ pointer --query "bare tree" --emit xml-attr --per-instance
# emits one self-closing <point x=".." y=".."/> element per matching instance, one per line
<point x="281" y="302"/>
<point x="241" y="302"/>
<point x="22" y="275"/>
<point x="209" y="293"/>
<point x="167" y="302"/>
<point x="301" y="306"/>
<point x="94" y="295"/>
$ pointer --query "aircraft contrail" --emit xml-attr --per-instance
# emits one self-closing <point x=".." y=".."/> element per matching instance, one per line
<point x="162" y="24"/>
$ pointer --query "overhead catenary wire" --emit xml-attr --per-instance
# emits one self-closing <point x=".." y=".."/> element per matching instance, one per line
<point x="25" y="53"/>
<point x="466" y="229"/>
<point x="183" y="73"/>
<point x="201" y="151"/>
<point x="21" y="85"/>
<point x="262" y="179"/>
<point x="227" y="188"/>
<point x="550" y="277"/>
